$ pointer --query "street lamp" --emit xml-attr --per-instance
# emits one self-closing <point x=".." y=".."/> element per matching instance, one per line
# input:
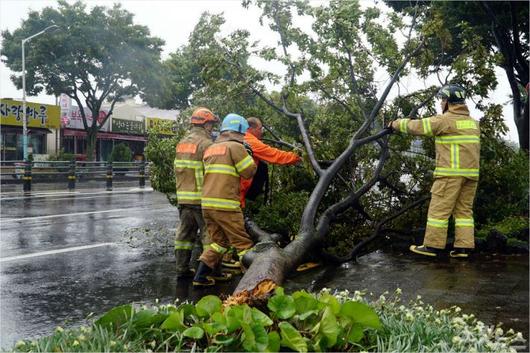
<point x="24" y="119"/>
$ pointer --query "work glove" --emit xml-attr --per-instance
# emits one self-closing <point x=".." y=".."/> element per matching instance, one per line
<point x="248" y="148"/>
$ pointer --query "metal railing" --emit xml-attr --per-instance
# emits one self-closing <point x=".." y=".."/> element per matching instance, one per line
<point x="71" y="172"/>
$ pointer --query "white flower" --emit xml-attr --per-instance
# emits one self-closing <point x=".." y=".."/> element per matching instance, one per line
<point x="438" y="321"/>
<point x="402" y="307"/>
<point x="398" y="291"/>
<point x="81" y="337"/>
<point x="59" y="329"/>
<point x="457" y="309"/>
<point x="76" y="343"/>
<point x="382" y="298"/>
<point x="510" y="331"/>
<point x="499" y="331"/>
<point x="112" y="343"/>
<point x="519" y="337"/>
<point x="418" y="297"/>
<point x="457" y="340"/>
<point x="20" y="344"/>
<point x="409" y="316"/>
<point x="153" y="343"/>
<point x="156" y="301"/>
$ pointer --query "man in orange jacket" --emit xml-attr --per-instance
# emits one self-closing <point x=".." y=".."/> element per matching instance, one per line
<point x="263" y="152"/>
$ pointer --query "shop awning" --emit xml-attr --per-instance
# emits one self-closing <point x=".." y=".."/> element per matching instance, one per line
<point x="31" y="130"/>
<point x="105" y="135"/>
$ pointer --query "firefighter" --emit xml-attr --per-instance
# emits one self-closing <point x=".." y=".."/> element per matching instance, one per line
<point x="457" y="140"/>
<point x="252" y="187"/>
<point x="189" y="172"/>
<point x="225" y="162"/>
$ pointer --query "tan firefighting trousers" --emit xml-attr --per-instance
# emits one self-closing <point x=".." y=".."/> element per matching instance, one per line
<point x="451" y="196"/>
<point x="226" y="228"/>
<point x="191" y="237"/>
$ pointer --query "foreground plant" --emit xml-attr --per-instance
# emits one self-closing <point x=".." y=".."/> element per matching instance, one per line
<point x="301" y="322"/>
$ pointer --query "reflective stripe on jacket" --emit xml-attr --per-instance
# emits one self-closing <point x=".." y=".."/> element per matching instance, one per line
<point x="263" y="152"/>
<point x="188" y="165"/>
<point x="457" y="140"/>
<point x="225" y="162"/>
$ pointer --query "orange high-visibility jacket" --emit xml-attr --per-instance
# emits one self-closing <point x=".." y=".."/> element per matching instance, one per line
<point x="263" y="152"/>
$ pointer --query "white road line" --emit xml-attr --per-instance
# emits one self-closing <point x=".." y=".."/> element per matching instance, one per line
<point x="51" y="252"/>
<point x="77" y="214"/>
<point x="74" y="193"/>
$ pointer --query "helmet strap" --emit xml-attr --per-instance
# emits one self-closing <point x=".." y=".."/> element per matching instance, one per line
<point x="445" y="106"/>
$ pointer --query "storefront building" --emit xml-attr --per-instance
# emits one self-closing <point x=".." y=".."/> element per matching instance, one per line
<point x="43" y="122"/>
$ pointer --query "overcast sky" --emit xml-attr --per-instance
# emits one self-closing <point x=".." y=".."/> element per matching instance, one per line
<point x="173" y="20"/>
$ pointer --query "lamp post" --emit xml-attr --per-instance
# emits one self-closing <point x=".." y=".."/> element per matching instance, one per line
<point x="24" y="119"/>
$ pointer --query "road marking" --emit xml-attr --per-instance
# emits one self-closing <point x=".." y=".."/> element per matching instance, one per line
<point x="75" y="193"/>
<point x="78" y="214"/>
<point x="51" y="252"/>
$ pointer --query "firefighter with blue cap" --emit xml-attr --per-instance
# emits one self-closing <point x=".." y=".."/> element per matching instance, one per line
<point x="225" y="162"/>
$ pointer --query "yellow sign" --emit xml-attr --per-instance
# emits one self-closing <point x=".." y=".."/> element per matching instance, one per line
<point x="163" y="126"/>
<point x="39" y="115"/>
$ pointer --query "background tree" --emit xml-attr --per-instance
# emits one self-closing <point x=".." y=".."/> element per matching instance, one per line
<point x="498" y="32"/>
<point x="97" y="55"/>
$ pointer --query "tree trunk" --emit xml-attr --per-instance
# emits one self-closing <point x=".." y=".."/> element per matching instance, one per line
<point x="521" y="121"/>
<point x="91" y="136"/>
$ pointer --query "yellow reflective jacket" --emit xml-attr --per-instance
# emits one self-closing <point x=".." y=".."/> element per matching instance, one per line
<point x="189" y="170"/>
<point x="225" y="162"/>
<point x="457" y="139"/>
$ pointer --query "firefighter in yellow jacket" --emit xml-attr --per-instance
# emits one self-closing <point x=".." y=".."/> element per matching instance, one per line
<point x="189" y="172"/>
<point x="457" y="140"/>
<point x="225" y="162"/>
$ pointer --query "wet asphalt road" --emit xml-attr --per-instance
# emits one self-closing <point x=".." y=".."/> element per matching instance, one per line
<point x="63" y="257"/>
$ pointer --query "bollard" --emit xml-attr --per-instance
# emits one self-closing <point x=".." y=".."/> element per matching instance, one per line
<point x="27" y="177"/>
<point x="142" y="174"/>
<point x="71" y="176"/>
<point x="109" y="176"/>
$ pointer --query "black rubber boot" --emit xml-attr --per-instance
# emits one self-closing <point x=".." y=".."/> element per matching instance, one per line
<point x="203" y="276"/>
<point x="460" y="253"/>
<point x="219" y="276"/>
<point x="424" y="250"/>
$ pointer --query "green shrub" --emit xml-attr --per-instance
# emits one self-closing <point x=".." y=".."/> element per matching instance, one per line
<point x="61" y="156"/>
<point x="301" y="322"/>
<point x="121" y="153"/>
<point x="510" y="226"/>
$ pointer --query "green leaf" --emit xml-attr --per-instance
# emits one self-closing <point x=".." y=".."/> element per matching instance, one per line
<point x="274" y="342"/>
<point x="224" y="340"/>
<point x="331" y="301"/>
<point x="260" y="318"/>
<point x="147" y="318"/>
<point x="254" y="337"/>
<point x="304" y="302"/>
<point x="115" y="317"/>
<point x="194" y="332"/>
<point x="356" y="333"/>
<point x="213" y="328"/>
<point x="175" y="321"/>
<point x="234" y="317"/>
<point x="307" y="314"/>
<point x="360" y="313"/>
<point x="329" y="327"/>
<point x="187" y="309"/>
<point x="208" y="305"/>
<point x="291" y="338"/>
<point x="282" y="305"/>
